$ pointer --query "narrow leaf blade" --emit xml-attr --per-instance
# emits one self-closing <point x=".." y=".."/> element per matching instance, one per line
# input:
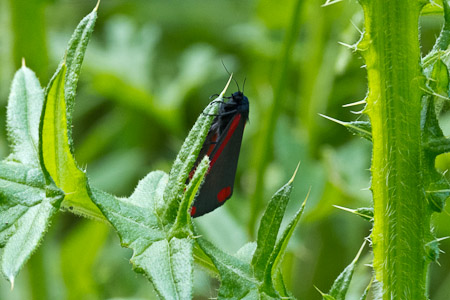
<point x="23" y="115"/>
<point x="341" y="284"/>
<point x="73" y="60"/>
<point x="182" y="220"/>
<point x="279" y="250"/>
<point x="57" y="157"/>
<point x="268" y="229"/>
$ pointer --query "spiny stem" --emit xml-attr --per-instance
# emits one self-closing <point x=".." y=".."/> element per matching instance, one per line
<point x="391" y="50"/>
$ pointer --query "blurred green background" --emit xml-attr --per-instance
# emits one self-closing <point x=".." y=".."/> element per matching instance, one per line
<point x="148" y="73"/>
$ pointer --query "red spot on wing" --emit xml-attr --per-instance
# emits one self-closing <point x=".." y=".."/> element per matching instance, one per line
<point x="193" y="209"/>
<point x="224" y="194"/>
<point x="233" y="126"/>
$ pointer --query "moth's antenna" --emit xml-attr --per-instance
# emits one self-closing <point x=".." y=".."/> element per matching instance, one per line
<point x="223" y="64"/>
<point x="243" y="86"/>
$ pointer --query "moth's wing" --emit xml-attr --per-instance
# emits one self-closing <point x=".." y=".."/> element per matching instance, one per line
<point x="219" y="181"/>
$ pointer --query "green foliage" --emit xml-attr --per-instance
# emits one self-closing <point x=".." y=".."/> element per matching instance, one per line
<point x="41" y="164"/>
<point x="162" y="247"/>
<point x="403" y="107"/>
<point x="338" y="290"/>
<point x="29" y="197"/>
<point x="256" y="274"/>
<point x="145" y="76"/>
<point x="154" y="221"/>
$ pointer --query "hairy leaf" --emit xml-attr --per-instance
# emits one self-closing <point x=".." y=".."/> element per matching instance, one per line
<point x="184" y="162"/>
<point x="24" y="112"/>
<point x="268" y="230"/>
<point x="26" y="208"/>
<point x="56" y="153"/>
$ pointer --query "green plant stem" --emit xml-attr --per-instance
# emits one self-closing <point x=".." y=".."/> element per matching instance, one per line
<point x="391" y="50"/>
<point x="266" y="141"/>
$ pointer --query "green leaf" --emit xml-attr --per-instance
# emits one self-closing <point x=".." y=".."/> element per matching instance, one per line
<point x="443" y="40"/>
<point x="431" y="9"/>
<point x="361" y="128"/>
<point x="183" y="217"/>
<point x="162" y="249"/>
<point x="147" y="198"/>
<point x="26" y="208"/>
<point x="433" y="136"/>
<point x="29" y="199"/>
<point x="184" y="163"/>
<point x="56" y="153"/>
<point x="268" y="229"/>
<point x="166" y="260"/>
<point x="203" y="260"/>
<point x="367" y="289"/>
<point x="272" y="269"/>
<point x="73" y="60"/>
<point x="432" y="250"/>
<point x="246" y="252"/>
<point x="325" y="296"/>
<point x="236" y="277"/>
<point x="57" y="123"/>
<point x="169" y="265"/>
<point x="238" y="273"/>
<point x="341" y="284"/>
<point x="23" y="114"/>
<point x="439" y="85"/>
<point x="437" y="193"/>
<point x="438" y="145"/>
<point x="364" y="212"/>
<point x="134" y="217"/>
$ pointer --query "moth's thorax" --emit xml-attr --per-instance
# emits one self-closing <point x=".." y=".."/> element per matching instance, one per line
<point x="238" y="102"/>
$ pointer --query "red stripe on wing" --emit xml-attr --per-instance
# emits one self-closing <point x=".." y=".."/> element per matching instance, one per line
<point x="233" y="126"/>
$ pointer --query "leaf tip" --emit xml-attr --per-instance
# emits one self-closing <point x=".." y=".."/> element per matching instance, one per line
<point x="295" y="173"/>
<point x="97" y="5"/>
<point x="11" y="279"/>
<point x="226" y="86"/>
<point x="306" y="198"/>
<point x="63" y="63"/>
<point x="319" y="290"/>
<point x="23" y="62"/>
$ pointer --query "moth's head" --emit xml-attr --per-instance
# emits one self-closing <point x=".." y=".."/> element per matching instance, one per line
<point x="238" y="97"/>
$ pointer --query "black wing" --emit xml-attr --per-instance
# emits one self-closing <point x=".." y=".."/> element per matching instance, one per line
<point x="219" y="181"/>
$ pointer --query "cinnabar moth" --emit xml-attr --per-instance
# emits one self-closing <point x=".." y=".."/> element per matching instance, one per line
<point x="222" y="145"/>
